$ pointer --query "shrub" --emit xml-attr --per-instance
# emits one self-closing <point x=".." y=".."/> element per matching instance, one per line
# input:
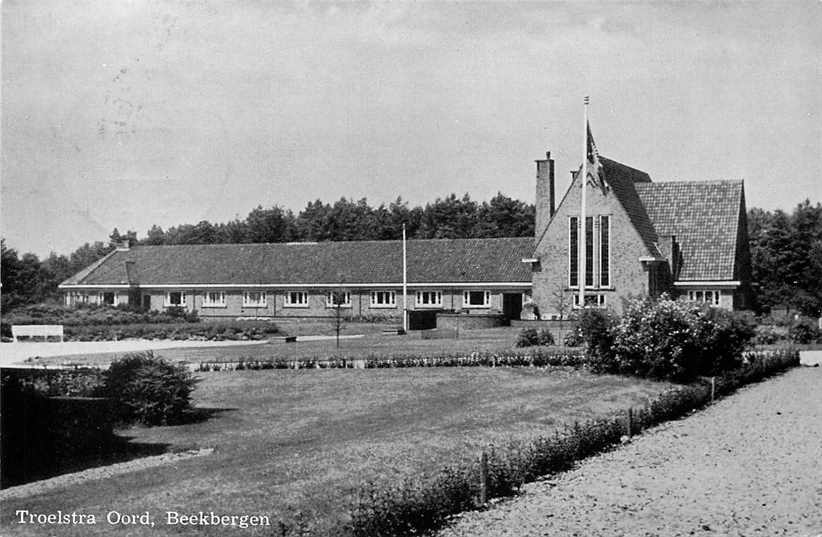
<point x="678" y="340"/>
<point x="769" y="334"/>
<point x="545" y="337"/>
<point x="527" y="337"/>
<point x="573" y="338"/>
<point x="804" y="331"/>
<point x="530" y="336"/>
<point x="722" y="336"/>
<point x="148" y="389"/>
<point x="595" y="328"/>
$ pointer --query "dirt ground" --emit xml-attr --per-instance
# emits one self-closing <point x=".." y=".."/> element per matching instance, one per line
<point x="749" y="465"/>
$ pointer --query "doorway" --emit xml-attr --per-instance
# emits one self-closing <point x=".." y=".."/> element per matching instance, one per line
<point x="511" y="305"/>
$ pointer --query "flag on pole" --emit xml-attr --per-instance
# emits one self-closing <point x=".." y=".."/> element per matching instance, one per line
<point x="596" y="173"/>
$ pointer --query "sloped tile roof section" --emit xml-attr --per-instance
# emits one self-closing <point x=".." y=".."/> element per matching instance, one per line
<point x="353" y="262"/>
<point x="623" y="181"/>
<point x="704" y="217"/>
<point x="86" y="272"/>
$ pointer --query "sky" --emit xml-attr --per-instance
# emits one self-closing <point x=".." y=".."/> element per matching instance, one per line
<point x="132" y="113"/>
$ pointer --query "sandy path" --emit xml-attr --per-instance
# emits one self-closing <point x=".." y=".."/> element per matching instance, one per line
<point x="749" y="465"/>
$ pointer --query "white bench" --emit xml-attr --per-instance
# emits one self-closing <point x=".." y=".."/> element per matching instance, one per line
<point x="37" y="330"/>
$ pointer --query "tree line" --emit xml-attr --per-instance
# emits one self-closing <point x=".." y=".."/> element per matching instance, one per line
<point x="27" y="279"/>
<point x="786" y="248"/>
<point x="786" y="258"/>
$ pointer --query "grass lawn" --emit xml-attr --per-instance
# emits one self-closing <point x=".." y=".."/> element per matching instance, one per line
<point x="303" y="440"/>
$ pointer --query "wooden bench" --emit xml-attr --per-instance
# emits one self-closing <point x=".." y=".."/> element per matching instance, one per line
<point x="44" y="331"/>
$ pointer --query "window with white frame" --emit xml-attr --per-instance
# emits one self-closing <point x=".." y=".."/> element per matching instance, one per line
<point x="591" y="301"/>
<point x="214" y="299"/>
<point x="338" y="298"/>
<point x="296" y="299"/>
<point x="429" y="299"/>
<point x="383" y="299"/>
<point x="476" y="299"/>
<point x="175" y="299"/>
<point x="705" y="296"/>
<point x="255" y="299"/>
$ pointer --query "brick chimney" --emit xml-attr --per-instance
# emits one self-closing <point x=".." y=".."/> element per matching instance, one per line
<point x="131" y="274"/>
<point x="545" y="200"/>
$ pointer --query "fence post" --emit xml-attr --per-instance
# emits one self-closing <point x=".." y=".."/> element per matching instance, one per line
<point x="629" y="422"/>
<point x="713" y="388"/>
<point x="483" y="495"/>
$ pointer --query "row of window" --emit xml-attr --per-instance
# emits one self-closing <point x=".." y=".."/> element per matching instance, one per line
<point x="299" y="299"/>
<point x="597" y="251"/>
<point x="707" y="296"/>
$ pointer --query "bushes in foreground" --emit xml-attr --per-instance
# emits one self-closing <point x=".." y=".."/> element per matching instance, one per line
<point x="419" y="505"/>
<point x="143" y="387"/>
<point x="147" y="389"/>
<point x="666" y="339"/>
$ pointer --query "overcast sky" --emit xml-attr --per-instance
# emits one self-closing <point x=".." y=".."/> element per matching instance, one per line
<point x="131" y="113"/>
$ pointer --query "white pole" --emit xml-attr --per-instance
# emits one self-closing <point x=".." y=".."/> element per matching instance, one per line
<point x="581" y="233"/>
<point x="404" y="283"/>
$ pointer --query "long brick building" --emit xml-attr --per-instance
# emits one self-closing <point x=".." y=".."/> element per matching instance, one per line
<point x="306" y="279"/>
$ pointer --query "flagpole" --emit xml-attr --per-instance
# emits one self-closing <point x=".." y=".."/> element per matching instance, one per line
<point x="404" y="283"/>
<point x="582" y="217"/>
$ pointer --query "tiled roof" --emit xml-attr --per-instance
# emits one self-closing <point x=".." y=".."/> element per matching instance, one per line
<point x="352" y="262"/>
<point x="704" y="217"/>
<point x="623" y="181"/>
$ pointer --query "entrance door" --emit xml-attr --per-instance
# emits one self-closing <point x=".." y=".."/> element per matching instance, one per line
<point x="146" y="302"/>
<point x="511" y="305"/>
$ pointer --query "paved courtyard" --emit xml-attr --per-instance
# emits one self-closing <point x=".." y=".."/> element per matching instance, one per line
<point x="749" y="465"/>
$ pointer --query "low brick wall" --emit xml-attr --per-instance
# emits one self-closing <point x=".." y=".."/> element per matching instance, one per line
<point x="458" y="321"/>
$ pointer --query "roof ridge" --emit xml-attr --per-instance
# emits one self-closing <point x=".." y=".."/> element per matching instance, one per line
<point x="315" y="243"/>
<point x="626" y="166"/>
<point x="696" y="182"/>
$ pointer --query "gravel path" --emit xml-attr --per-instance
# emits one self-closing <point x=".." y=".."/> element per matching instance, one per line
<point x="749" y="465"/>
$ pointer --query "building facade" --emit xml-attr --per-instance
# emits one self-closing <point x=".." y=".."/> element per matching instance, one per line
<point x="307" y="280"/>
<point x="687" y="239"/>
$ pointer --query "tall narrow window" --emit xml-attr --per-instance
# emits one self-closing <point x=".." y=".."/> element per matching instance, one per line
<point x="589" y="251"/>
<point x="573" y="245"/>
<point x="604" y="251"/>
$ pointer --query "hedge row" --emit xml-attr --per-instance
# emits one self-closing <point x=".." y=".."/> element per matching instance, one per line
<point x="93" y="314"/>
<point x="204" y="331"/>
<point x="533" y="357"/>
<point x="418" y="505"/>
